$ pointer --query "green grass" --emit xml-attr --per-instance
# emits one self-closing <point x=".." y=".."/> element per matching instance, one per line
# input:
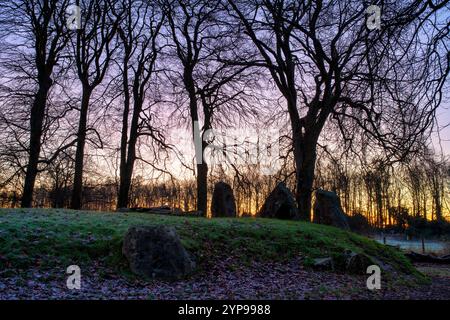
<point x="56" y="238"/>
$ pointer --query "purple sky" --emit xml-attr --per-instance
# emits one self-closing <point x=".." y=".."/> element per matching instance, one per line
<point x="443" y="118"/>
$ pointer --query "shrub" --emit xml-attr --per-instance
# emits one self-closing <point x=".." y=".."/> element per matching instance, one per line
<point x="359" y="223"/>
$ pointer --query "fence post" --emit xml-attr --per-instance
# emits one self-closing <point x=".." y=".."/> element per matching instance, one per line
<point x="423" y="245"/>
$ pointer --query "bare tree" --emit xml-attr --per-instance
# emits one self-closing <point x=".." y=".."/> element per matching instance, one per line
<point x="200" y="35"/>
<point x="138" y="33"/>
<point x="325" y="62"/>
<point x="93" y="49"/>
<point x="435" y="176"/>
<point x="40" y="24"/>
<point x="60" y="174"/>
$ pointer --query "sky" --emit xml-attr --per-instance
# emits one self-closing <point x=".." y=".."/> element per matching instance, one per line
<point x="441" y="138"/>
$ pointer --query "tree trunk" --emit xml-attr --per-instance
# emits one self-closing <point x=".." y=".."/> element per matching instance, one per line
<point x="128" y="167"/>
<point x="77" y="192"/>
<point x="305" y="167"/>
<point x="438" y="205"/>
<point x="202" y="188"/>
<point x="202" y="167"/>
<point x="124" y="187"/>
<point x="305" y="133"/>
<point x="125" y="184"/>
<point x="36" y="121"/>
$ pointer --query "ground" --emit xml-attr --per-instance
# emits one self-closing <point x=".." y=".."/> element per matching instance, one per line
<point x="237" y="259"/>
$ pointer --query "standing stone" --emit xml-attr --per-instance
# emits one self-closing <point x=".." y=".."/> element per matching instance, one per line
<point x="223" y="203"/>
<point x="156" y="252"/>
<point x="280" y="204"/>
<point x="328" y="210"/>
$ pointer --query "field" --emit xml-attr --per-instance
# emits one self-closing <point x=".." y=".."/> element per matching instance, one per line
<point x="236" y="258"/>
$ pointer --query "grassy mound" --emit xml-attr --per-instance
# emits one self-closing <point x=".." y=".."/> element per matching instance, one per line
<point x="58" y="238"/>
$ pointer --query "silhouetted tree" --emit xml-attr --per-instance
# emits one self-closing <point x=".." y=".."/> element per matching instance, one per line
<point x="40" y="25"/>
<point x="138" y="34"/>
<point x="93" y="48"/>
<point x="326" y="62"/>
<point x="200" y="34"/>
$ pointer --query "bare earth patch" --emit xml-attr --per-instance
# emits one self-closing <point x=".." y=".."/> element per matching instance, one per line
<point x="221" y="281"/>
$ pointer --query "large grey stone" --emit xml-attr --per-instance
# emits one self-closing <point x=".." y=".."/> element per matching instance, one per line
<point x="357" y="263"/>
<point x="323" y="264"/>
<point x="223" y="203"/>
<point x="156" y="252"/>
<point x="328" y="210"/>
<point x="349" y="262"/>
<point x="280" y="204"/>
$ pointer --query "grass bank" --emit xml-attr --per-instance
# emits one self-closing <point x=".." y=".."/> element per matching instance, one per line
<point x="49" y="238"/>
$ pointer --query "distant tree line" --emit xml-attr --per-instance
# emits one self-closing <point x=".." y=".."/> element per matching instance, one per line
<point x="385" y="195"/>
